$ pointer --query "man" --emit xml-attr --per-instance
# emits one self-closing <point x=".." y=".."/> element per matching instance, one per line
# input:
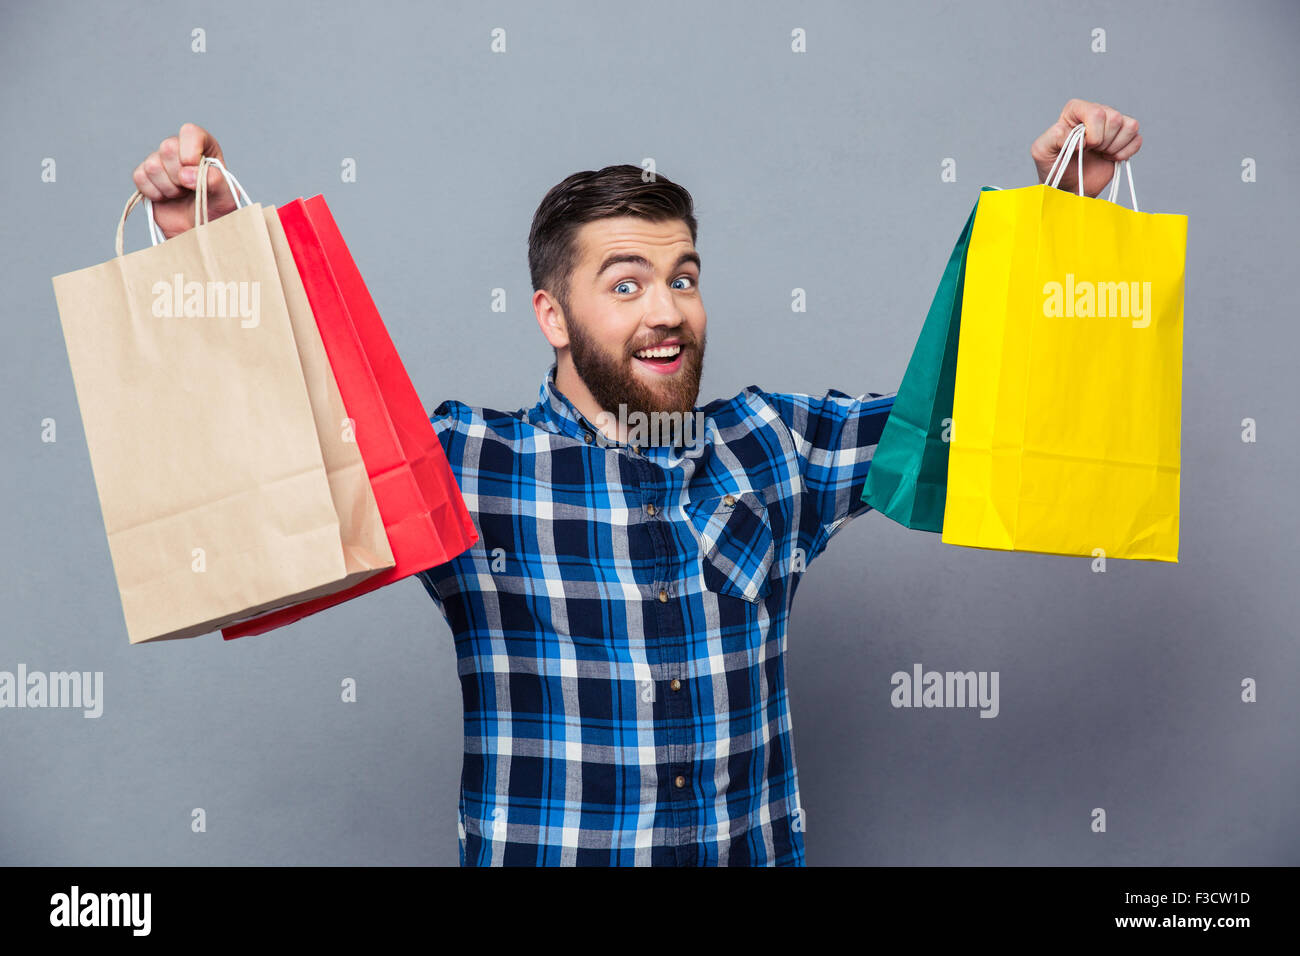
<point x="620" y="627"/>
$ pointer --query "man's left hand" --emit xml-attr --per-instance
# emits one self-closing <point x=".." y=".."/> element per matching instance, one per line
<point x="1110" y="136"/>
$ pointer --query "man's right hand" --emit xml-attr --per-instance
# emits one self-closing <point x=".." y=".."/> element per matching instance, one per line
<point x="167" y="178"/>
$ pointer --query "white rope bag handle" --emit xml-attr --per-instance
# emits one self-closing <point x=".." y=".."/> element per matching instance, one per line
<point x="200" y="201"/>
<point x="1075" y="139"/>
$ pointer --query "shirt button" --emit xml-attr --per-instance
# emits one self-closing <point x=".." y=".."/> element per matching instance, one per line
<point x="729" y="500"/>
<point x="650" y="510"/>
<point x="663" y="596"/>
<point x="676" y="684"/>
<point x="636" y="449"/>
<point x="587" y="437"/>
<point x="680" y="781"/>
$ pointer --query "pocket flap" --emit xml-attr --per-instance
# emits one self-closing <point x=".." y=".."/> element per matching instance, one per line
<point x="736" y="543"/>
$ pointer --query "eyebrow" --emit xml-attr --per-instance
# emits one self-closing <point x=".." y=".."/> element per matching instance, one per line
<point x="614" y="259"/>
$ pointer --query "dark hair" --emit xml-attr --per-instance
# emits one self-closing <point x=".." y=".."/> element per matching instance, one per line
<point x="587" y="196"/>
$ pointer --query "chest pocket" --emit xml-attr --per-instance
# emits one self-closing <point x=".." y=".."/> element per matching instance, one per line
<point x="736" y="545"/>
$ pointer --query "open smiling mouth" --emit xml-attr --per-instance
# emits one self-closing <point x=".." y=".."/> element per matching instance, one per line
<point x="664" y="359"/>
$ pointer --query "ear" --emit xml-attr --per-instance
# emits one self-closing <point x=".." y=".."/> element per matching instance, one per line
<point x="550" y="319"/>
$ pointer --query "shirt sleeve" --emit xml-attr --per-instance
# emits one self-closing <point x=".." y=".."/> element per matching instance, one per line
<point x="835" y="437"/>
<point x="444" y="420"/>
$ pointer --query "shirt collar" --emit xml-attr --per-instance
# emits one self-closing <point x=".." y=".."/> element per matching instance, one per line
<point x="560" y="415"/>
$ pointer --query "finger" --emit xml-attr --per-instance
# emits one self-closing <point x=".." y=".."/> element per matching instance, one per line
<point x="1091" y="115"/>
<point x="1129" y="151"/>
<point x="1080" y="111"/>
<point x="153" y="168"/>
<point x="147" y="189"/>
<point x="1095" y="124"/>
<point x="1072" y="112"/>
<point x="195" y="143"/>
<point x="169" y="153"/>
<point x="1122" y="141"/>
<point x="1114" y="121"/>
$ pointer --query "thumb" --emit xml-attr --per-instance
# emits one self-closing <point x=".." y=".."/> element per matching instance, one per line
<point x="1047" y="147"/>
<point x="1060" y="132"/>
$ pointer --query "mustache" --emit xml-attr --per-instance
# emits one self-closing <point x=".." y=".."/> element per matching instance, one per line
<point x="684" y="342"/>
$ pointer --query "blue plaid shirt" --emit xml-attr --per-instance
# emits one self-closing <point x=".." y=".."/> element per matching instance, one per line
<point x="620" y="626"/>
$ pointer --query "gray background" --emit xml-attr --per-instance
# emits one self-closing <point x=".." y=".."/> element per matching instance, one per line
<point x="1119" y="690"/>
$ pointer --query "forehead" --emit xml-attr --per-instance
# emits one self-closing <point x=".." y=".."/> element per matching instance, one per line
<point x="632" y="234"/>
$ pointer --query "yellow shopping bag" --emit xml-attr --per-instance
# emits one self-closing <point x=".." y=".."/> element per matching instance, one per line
<point x="1068" y="396"/>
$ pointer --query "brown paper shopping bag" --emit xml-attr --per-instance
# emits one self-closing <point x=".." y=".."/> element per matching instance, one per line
<point x="366" y="550"/>
<point x="210" y="475"/>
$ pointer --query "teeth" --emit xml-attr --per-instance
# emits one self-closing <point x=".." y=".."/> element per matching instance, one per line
<point x="667" y="351"/>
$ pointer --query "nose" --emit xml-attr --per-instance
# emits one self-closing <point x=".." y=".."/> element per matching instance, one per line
<point x="662" y="310"/>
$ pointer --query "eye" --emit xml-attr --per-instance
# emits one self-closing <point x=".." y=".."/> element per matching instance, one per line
<point x="687" y="279"/>
<point x="623" y="283"/>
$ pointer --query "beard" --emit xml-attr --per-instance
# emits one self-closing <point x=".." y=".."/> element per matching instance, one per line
<point x="612" y="381"/>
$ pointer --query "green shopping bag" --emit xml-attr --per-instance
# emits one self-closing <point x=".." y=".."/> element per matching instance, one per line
<point x="908" y="478"/>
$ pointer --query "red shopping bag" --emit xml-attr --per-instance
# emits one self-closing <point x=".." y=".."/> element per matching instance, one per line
<point x="417" y="496"/>
<point x="423" y="450"/>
